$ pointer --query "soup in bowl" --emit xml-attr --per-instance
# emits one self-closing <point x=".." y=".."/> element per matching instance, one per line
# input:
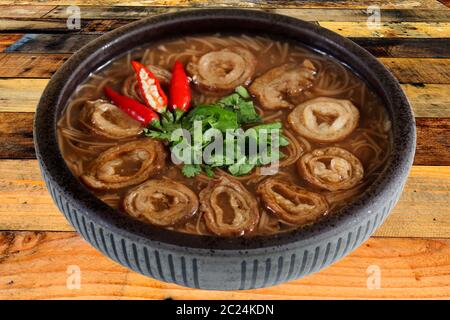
<point x="199" y="152"/>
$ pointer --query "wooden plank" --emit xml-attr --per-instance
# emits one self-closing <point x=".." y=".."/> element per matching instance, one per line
<point x="380" y="47"/>
<point x="307" y="14"/>
<point x="101" y="26"/>
<point x="50" y="43"/>
<point x="17" y="65"/>
<point x="26" y="203"/>
<point x="60" y="43"/>
<point x="406" y="47"/>
<point x="16" y="136"/>
<point x="120" y="12"/>
<point x="428" y="100"/>
<point x="20" y="94"/>
<point x="33" y="25"/>
<point x="7" y="40"/>
<point x="426" y="184"/>
<point x="392" y="30"/>
<point x="422" y="211"/>
<point x="35" y="266"/>
<point x="397" y="4"/>
<point x="58" y="26"/>
<point x="344" y="28"/>
<point x="361" y="15"/>
<point x="32" y="11"/>
<point x="433" y="141"/>
<point x="419" y="70"/>
<point x="406" y="70"/>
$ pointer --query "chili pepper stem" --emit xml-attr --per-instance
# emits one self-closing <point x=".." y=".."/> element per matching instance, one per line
<point x="156" y="124"/>
<point x="168" y="116"/>
<point x="178" y="114"/>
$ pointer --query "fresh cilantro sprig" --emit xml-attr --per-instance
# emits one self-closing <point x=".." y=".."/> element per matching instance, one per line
<point x="231" y="112"/>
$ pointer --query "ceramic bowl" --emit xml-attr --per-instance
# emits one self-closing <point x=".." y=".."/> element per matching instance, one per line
<point x="208" y="262"/>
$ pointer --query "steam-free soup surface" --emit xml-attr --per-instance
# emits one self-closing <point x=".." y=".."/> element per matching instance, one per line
<point x="337" y="128"/>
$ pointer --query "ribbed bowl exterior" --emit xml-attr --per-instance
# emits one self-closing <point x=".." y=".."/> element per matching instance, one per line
<point x="232" y="271"/>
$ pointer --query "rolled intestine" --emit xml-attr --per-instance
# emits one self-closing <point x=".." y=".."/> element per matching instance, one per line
<point x="331" y="168"/>
<point x="162" y="202"/>
<point x="324" y="119"/>
<point x="294" y="150"/>
<point x="220" y="72"/>
<point x="273" y="88"/>
<point x="291" y="203"/>
<point x="107" y="120"/>
<point x="112" y="168"/>
<point x="228" y="208"/>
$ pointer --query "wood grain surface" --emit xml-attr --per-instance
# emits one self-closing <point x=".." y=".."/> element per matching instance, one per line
<point x="28" y="11"/>
<point x="380" y="47"/>
<point x="37" y="265"/>
<point x="418" y="70"/>
<point x="411" y="249"/>
<point x="396" y="4"/>
<point x="34" y="65"/>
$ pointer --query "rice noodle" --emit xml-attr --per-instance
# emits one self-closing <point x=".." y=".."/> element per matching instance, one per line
<point x="274" y="116"/>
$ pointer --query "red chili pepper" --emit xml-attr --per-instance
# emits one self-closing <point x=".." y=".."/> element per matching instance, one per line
<point x="133" y="108"/>
<point x="150" y="88"/>
<point x="180" y="92"/>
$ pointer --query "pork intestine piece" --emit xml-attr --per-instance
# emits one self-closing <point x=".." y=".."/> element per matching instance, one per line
<point x="245" y="208"/>
<point x="162" y="202"/>
<point x="105" y="171"/>
<point x="274" y="87"/>
<point x="220" y="72"/>
<point x="107" y="120"/>
<point x="291" y="203"/>
<point x="324" y="119"/>
<point x="331" y="168"/>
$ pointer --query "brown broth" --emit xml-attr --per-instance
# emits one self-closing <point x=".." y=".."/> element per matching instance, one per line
<point x="370" y="142"/>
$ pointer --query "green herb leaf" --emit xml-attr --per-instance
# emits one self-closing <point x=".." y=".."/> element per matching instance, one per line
<point x="208" y="170"/>
<point x="268" y="126"/>
<point x="247" y="113"/>
<point x="191" y="170"/>
<point x="213" y="116"/>
<point x="157" y="134"/>
<point x="241" y="167"/>
<point x="231" y="112"/>
<point x="242" y="92"/>
<point x="243" y="107"/>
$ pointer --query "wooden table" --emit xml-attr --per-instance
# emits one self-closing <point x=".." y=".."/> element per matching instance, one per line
<point x="412" y="249"/>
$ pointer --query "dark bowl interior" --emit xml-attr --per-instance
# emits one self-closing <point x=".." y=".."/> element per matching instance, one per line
<point x="115" y="43"/>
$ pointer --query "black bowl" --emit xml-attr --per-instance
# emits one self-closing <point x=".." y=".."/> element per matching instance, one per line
<point x="211" y="262"/>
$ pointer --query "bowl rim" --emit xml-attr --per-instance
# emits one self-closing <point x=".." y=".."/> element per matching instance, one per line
<point x="56" y="170"/>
